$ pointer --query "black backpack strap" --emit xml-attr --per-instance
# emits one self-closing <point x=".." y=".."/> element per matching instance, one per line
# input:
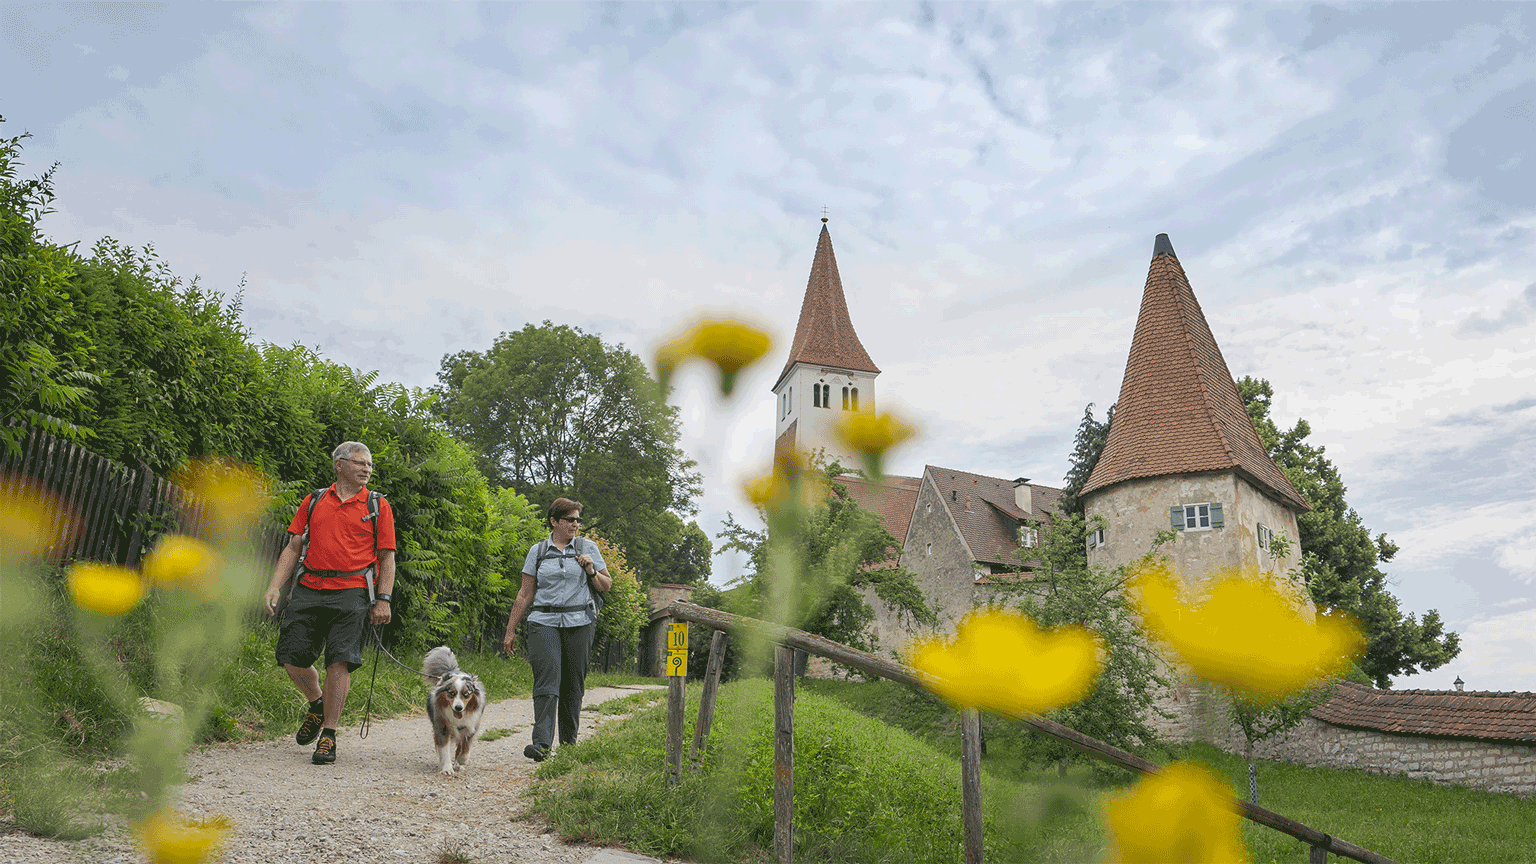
<point x="314" y="498"/>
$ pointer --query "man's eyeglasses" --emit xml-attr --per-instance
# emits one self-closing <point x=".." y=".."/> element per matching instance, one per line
<point x="368" y="465"/>
<point x="574" y="520"/>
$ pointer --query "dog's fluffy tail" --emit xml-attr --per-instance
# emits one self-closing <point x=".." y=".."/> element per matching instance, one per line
<point x="440" y="661"/>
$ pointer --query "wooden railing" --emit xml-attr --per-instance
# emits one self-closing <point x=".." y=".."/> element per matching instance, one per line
<point x="788" y="639"/>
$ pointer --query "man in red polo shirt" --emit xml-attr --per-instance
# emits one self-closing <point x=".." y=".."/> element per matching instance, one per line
<point x="331" y="600"/>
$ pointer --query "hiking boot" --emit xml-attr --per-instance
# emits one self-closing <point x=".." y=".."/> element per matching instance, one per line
<point x="535" y="752"/>
<point x="310" y="726"/>
<point x="325" y="751"/>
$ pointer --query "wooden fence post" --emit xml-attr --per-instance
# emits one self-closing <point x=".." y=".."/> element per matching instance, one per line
<point x="970" y="783"/>
<point x="675" y="707"/>
<point x="707" y="698"/>
<point x="783" y="753"/>
<point x="1318" y="855"/>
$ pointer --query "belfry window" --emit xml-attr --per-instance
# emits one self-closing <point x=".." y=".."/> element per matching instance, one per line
<point x="845" y="398"/>
<point x="815" y="396"/>
<point x="826" y="395"/>
<point x="855" y="396"/>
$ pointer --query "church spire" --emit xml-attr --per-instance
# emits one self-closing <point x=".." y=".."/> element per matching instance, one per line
<point x="1179" y="410"/>
<point x="825" y="336"/>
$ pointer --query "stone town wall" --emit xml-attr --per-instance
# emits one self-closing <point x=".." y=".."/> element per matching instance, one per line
<point x="1509" y="768"/>
<point x="1201" y="714"/>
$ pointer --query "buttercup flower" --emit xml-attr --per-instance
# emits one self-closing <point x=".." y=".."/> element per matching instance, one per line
<point x="871" y="434"/>
<point x="1182" y="815"/>
<point x="26" y="516"/>
<point x="187" y="563"/>
<point x="1001" y="662"/>
<point x="234" y="492"/>
<point x="791" y="470"/>
<point x="730" y="345"/>
<point x="167" y="839"/>
<point x="1247" y="635"/>
<point x="105" y="589"/>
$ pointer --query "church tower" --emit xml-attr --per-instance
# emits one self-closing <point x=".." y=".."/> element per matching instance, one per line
<point x="1182" y="452"/>
<point x="828" y="371"/>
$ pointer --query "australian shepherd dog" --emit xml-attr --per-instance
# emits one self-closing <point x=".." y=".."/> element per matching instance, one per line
<point x="455" y="701"/>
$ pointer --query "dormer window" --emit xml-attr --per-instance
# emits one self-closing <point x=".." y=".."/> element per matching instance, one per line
<point x="1028" y="536"/>
<point x="1195" y="517"/>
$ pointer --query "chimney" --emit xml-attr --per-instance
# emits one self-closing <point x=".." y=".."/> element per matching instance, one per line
<point x="1022" y="495"/>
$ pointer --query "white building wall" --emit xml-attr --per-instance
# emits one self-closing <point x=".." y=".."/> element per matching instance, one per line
<point x="814" y="424"/>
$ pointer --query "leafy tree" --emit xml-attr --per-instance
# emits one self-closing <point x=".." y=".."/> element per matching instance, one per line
<point x="1260" y="722"/>
<point x="1340" y="557"/>
<point x="552" y="411"/>
<point x="43" y="366"/>
<point x="1087" y="447"/>
<point x="843" y="548"/>
<point x="627" y="608"/>
<point x="1063" y="589"/>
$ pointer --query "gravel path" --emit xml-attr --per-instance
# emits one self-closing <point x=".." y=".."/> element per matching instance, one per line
<point x="383" y="800"/>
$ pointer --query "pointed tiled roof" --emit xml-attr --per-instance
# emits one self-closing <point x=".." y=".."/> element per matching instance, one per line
<point x="824" y="336"/>
<point x="1179" y="410"/>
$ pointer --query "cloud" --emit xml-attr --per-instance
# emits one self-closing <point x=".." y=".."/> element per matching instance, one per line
<point x="1518" y="311"/>
<point x="1497" y="653"/>
<point x="117" y="73"/>
<point x="1439" y="533"/>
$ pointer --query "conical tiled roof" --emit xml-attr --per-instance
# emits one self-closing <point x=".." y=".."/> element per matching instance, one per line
<point x="1179" y="410"/>
<point x="824" y="336"/>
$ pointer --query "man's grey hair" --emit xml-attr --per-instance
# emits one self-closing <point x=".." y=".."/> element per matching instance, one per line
<point x="347" y="448"/>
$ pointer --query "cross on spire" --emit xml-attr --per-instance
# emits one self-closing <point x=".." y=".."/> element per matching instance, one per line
<point x="823" y="213"/>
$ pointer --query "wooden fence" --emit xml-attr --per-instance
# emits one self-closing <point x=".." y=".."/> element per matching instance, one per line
<point x="111" y="513"/>
<point x="788" y="640"/>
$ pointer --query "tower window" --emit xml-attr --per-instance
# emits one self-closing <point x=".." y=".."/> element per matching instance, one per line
<point x="1195" y="517"/>
<point x="790" y="408"/>
<point x="845" y="398"/>
<point x="855" y="395"/>
<point x="1265" y="536"/>
<point x="826" y="395"/>
<point x="815" y="396"/>
<point x="1095" y="538"/>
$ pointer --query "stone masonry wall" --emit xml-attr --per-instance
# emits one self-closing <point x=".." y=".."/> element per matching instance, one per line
<point x="1509" y="768"/>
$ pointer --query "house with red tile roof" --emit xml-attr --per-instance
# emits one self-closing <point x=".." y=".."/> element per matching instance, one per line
<point x="959" y="531"/>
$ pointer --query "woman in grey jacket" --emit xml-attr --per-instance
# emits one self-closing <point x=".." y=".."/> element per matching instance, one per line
<point x="561" y="578"/>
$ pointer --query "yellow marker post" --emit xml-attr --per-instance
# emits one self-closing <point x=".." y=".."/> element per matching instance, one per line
<point x="677" y="636"/>
<point x="677" y="672"/>
<point x="677" y="663"/>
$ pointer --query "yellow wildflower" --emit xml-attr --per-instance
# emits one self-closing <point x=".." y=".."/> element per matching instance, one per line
<point x="871" y="434"/>
<point x="105" y="589"/>
<point x="27" y="517"/>
<point x="730" y="345"/>
<point x="1247" y="635"/>
<point x="233" y="492"/>
<point x="168" y="839"/>
<point x="1001" y="662"/>
<point x="1183" y="815"/>
<point x="185" y="562"/>
<point x="792" y="473"/>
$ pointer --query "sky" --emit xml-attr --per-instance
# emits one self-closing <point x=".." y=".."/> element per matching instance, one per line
<point x="1351" y="190"/>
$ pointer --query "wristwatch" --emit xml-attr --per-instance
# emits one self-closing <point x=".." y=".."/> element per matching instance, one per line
<point x="384" y="597"/>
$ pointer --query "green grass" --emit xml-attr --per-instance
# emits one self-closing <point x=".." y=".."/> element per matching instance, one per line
<point x="494" y="734"/>
<point x="864" y="791"/>
<point x="1442" y="823"/>
<point x="632" y="702"/>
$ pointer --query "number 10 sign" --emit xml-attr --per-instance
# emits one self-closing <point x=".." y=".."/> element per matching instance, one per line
<point x="677" y="649"/>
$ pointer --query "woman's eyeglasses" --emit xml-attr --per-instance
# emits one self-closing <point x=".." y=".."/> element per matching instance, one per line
<point x="574" y="520"/>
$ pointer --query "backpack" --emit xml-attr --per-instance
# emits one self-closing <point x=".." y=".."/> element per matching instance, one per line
<point x="549" y="551"/>
<point x="374" y="498"/>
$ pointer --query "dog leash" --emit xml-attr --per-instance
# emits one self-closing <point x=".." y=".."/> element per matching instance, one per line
<point x="378" y="645"/>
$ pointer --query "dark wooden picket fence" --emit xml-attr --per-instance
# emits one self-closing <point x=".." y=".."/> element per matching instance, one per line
<point x="788" y="641"/>
<point x="112" y="513"/>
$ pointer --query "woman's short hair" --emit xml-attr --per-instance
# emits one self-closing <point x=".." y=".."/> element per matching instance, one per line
<point x="561" y="508"/>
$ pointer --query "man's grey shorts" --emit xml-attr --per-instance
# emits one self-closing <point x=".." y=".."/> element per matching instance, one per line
<point x="317" y="620"/>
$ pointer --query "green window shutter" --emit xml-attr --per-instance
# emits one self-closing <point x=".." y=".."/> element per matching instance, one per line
<point x="1216" y="515"/>
<point x="1176" y="516"/>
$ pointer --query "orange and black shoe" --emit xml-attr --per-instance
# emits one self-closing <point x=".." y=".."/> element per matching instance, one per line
<point x="325" y="751"/>
<point x="310" y="726"/>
